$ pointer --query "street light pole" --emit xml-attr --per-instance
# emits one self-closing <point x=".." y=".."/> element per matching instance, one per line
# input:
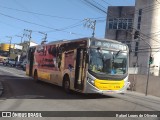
<point x="148" y="66"/>
<point x="45" y="38"/>
<point x="137" y="35"/>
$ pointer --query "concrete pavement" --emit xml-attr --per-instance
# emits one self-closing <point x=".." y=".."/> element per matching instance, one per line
<point x="1" y="88"/>
<point x="128" y="93"/>
<point x="132" y="93"/>
<point x="143" y="96"/>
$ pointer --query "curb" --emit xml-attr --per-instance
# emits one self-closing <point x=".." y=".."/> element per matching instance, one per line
<point x="1" y="88"/>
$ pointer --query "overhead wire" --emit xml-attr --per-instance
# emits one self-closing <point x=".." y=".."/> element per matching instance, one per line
<point x="106" y="2"/>
<point x="141" y="32"/>
<point x="48" y="16"/>
<point x="38" y="24"/>
<point x="69" y="27"/>
<point x="136" y="29"/>
<point x="94" y="6"/>
<point x="41" y="14"/>
<point x="53" y="16"/>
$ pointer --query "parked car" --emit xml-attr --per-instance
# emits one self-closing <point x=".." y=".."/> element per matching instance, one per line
<point x="23" y="64"/>
<point x="5" y="61"/>
<point x="9" y="61"/>
<point x="18" y="63"/>
<point x="2" y="59"/>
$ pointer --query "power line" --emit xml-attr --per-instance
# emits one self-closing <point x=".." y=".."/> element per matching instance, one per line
<point x="92" y="4"/>
<point x="41" y="14"/>
<point x="69" y="27"/>
<point x="148" y="36"/>
<point x="35" y="16"/>
<point x="145" y="9"/>
<point x="38" y="24"/>
<point x="135" y="29"/>
<point x="96" y="3"/>
<point x="106" y="2"/>
<point x="13" y="26"/>
<point x="95" y="6"/>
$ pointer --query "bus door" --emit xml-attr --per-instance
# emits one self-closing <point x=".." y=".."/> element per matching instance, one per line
<point x="31" y="60"/>
<point x="80" y="68"/>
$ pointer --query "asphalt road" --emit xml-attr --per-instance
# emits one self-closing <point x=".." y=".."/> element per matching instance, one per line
<point x="22" y="93"/>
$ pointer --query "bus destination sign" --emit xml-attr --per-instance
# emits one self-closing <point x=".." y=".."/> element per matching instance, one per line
<point x="109" y="45"/>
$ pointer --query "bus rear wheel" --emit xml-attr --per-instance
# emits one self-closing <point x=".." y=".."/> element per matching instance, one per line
<point x="36" y="76"/>
<point x="66" y="85"/>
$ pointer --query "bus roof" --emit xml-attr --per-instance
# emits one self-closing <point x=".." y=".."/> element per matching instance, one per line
<point x="85" y="38"/>
<point x="66" y="41"/>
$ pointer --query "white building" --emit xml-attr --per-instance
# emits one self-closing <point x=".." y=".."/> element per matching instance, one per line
<point x="147" y="21"/>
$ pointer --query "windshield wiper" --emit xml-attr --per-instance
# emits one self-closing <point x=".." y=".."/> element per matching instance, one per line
<point x="118" y="53"/>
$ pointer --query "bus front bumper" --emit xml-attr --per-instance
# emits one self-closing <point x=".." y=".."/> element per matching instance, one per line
<point x="92" y="89"/>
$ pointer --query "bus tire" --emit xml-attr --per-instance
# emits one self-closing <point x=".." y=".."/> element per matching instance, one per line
<point x="66" y="84"/>
<point x="35" y="76"/>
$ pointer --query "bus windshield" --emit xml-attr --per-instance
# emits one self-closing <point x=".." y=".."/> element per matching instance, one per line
<point x="108" y="62"/>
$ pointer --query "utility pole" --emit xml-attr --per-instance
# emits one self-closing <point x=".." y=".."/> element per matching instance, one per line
<point x="20" y="37"/>
<point x="29" y="36"/>
<point x="45" y="37"/>
<point x="137" y="35"/>
<point x="10" y="41"/>
<point x="148" y="66"/>
<point x="90" y="24"/>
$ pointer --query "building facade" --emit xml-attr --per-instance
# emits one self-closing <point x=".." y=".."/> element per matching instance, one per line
<point x="15" y="50"/>
<point x="119" y="24"/>
<point x="146" y="21"/>
<point x="144" y="18"/>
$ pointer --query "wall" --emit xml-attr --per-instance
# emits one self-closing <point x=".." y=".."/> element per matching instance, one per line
<point x="138" y="84"/>
<point x="119" y="12"/>
<point x="149" y="32"/>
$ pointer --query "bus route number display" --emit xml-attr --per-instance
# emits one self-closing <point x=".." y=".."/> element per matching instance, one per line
<point x="110" y="45"/>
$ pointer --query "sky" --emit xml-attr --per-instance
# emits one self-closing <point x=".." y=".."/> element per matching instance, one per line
<point x="59" y="19"/>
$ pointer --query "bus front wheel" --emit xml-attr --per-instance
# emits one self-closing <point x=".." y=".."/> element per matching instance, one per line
<point x="66" y="84"/>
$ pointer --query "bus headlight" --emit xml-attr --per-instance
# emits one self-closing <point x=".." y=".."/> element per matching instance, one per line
<point x="91" y="81"/>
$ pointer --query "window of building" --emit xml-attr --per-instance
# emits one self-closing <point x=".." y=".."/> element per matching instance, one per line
<point x="124" y="23"/>
<point x="140" y="11"/>
<point x="110" y="23"/>
<point x="139" y="19"/>
<point x="139" y="26"/>
<point x="136" y="48"/>
<point x="120" y="23"/>
<point x="115" y="23"/>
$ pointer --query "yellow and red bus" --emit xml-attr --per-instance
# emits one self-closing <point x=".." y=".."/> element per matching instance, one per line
<point x="86" y="65"/>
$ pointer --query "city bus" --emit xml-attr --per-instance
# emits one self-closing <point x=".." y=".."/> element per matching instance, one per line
<point x="86" y="65"/>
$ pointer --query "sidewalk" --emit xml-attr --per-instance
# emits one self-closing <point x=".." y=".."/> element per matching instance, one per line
<point x="143" y="96"/>
<point x="1" y="88"/>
